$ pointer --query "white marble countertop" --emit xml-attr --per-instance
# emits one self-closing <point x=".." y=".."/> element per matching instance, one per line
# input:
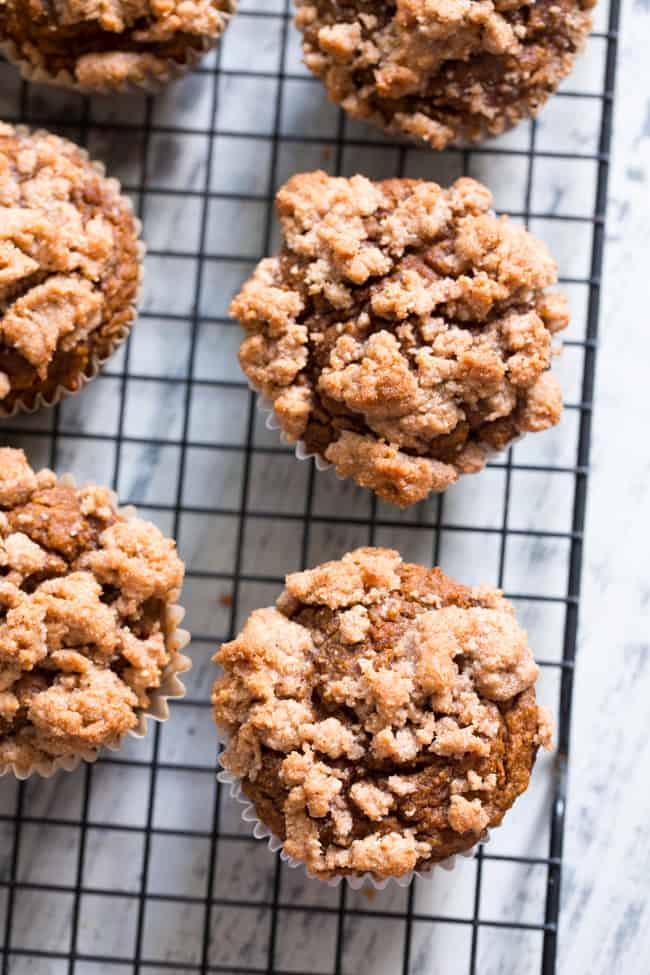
<point x="604" y="920"/>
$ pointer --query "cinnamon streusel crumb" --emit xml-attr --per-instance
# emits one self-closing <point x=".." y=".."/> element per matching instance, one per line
<point x="105" y="45"/>
<point x="69" y="266"/>
<point x="382" y="716"/>
<point x="404" y="331"/>
<point x="442" y="71"/>
<point x="84" y="597"/>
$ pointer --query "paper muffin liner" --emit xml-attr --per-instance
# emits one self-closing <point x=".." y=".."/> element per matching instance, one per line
<point x="301" y="450"/>
<point x="152" y="83"/>
<point x="30" y="403"/>
<point x="171" y="688"/>
<point x="262" y="832"/>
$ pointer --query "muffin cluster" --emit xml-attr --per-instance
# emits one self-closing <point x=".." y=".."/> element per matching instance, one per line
<point x="404" y="330"/>
<point x="70" y="265"/>
<point x="381" y="717"/>
<point x="442" y="71"/>
<point x="87" y="628"/>
<point x="108" y="45"/>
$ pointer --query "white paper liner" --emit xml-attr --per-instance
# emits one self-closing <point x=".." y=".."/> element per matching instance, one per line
<point x="152" y="83"/>
<point x="271" y="422"/>
<point x="262" y="832"/>
<point x="171" y="688"/>
<point x="96" y="364"/>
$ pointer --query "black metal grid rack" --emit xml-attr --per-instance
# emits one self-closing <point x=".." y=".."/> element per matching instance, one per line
<point x="140" y="863"/>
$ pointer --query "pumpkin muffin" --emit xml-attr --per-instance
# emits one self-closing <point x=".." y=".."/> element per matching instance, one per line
<point x="403" y="332"/>
<point x="88" y="640"/>
<point x="442" y="71"/>
<point x="70" y="268"/>
<point x="382" y="717"/>
<point x="104" y="46"/>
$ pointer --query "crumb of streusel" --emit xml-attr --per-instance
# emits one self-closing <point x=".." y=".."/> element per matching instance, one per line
<point x="404" y="331"/>
<point x="381" y="716"/>
<point x="84" y="596"/>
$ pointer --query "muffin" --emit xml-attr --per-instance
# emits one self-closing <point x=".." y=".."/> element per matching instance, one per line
<point x="108" y="46"/>
<point x="382" y="717"/>
<point x="70" y="268"/>
<point x="88" y="639"/>
<point x="442" y="72"/>
<point x="403" y="333"/>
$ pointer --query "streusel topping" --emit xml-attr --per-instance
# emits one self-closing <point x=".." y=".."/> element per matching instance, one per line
<point x="84" y="596"/>
<point x="106" y="44"/>
<point x="69" y="264"/>
<point x="403" y="331"/>
<point x="382" y="716"/>
<point x="441" y="71"/>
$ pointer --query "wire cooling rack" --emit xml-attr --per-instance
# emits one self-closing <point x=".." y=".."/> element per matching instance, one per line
<point x="141" y="863"/>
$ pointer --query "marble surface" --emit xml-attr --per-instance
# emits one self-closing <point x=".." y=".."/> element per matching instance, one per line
<point x="164" y="446"/>
<point x="605" y="914"/>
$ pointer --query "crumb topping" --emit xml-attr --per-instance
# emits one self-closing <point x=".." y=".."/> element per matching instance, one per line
<point x="382" y="716"/>
<point x="69" y="264"/>
<point x="441" y="71"/>
<point x="108" y="44"/>
<point x="404" y="331"/>
<point x="84" y="595"/>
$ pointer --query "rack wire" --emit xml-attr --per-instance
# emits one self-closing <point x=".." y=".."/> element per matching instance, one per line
<point x="141" y="863"/>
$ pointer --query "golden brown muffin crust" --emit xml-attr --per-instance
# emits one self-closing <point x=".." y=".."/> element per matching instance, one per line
<point x="403" y="331"/>
<point x="116" y="41"/>
<point x="84" y="595"/>
<point x="69" y="266"/>
<point x="382" y="716"/>
<point x="442" y="71"/>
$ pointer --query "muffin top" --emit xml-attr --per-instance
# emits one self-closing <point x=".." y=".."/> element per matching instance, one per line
<point x="69" y="266"/>
<point x="403" y="331"/>
<point x="85" y="621"/>
<point x="105" y="45"/>
<point x="382" y="717"/>
<point x="442" y="71"/>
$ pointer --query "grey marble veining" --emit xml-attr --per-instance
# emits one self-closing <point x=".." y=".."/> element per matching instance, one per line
<point x="604" y="922"/>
